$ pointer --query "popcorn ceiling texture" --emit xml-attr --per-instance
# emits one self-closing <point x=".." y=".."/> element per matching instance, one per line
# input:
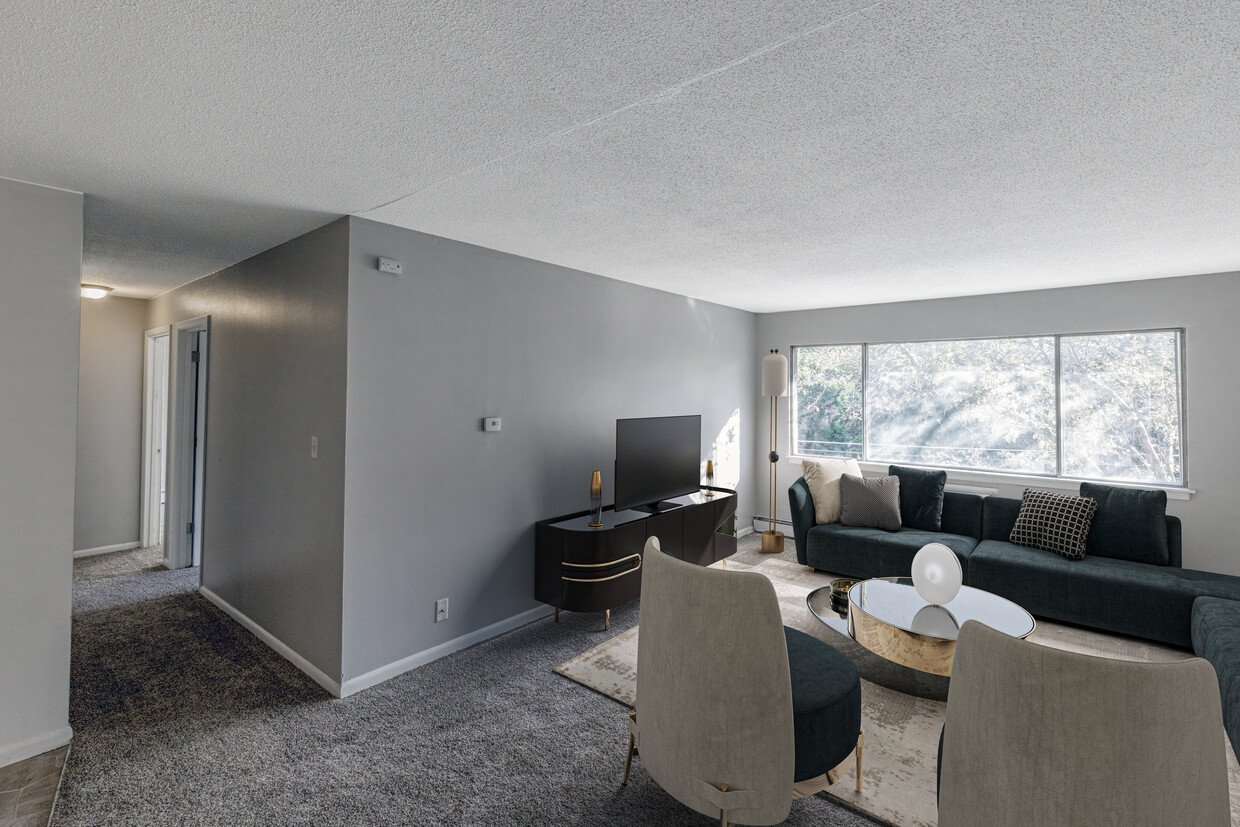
<point x="766" y="155"/>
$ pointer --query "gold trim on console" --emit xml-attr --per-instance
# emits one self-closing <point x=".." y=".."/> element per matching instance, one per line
<point x="638" y="567"/>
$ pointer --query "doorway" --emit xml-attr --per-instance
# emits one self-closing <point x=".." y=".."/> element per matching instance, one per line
<point x="154" y="437"/>
<point x="186" y="442"/>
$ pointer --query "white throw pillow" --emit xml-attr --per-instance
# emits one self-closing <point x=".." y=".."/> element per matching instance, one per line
<point x="823" y="478"/>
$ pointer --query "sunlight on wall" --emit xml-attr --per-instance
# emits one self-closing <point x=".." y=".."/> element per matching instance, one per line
<point x="726" y="453"/>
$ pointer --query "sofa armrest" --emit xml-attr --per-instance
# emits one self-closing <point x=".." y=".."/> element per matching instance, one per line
<point x="1174" y="542"/>
<point x="802" y="506"/>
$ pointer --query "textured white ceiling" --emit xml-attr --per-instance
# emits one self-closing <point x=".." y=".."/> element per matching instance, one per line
<point x="768" y="155"/>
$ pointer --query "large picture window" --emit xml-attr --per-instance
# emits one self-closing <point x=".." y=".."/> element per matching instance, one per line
<point x="1102" y="406"/>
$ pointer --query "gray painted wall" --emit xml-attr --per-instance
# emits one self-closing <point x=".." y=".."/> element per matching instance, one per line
<point x="107" y="509"/>
<point x="1205" y="306"/>
<point x="434" y="507"/>
<point x="273" y="522"/>
<point x="40" y="269"/>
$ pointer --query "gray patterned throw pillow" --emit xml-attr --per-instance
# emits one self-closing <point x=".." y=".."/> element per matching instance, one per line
<point x="1054" y="522"/>
<point x="870" y="503"/>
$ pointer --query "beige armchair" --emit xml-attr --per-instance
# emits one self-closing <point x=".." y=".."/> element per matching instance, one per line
<point x="1039" y="736"/>
<point x="714" y="723"/>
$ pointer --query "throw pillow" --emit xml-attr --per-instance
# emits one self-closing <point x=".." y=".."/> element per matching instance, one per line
<point x="1054" y="522"/>
<point x="873" y="503"/>
<point x="822" y="477"/>
<point x="1131" y="523"/>
<point x="921" y="497"/>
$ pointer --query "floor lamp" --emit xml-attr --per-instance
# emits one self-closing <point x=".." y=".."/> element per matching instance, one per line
<point x="774" y="385"/>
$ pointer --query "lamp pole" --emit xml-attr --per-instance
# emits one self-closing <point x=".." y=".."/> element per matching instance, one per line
<point x="774" y="385"/>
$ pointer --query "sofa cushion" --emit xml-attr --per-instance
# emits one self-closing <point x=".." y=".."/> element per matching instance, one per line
<point x="870" y="552"/>
<point x="1153" y="602"/>
<point x="1212" y="616"/>
<point x="822" y="477"/>
<point x="1131" y="523"/>
<point x="921" y="497"/>
<point x="1216" y="637"/>
<point x="870" y="503"/>
<point x="1054" y="522"/>
<point x="826" y="704"/>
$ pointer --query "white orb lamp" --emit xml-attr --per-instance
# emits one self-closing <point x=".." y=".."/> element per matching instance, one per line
<point x="936" y="573"/>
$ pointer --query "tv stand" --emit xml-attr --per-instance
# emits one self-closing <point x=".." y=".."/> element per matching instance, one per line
<point x="580" y="568"/>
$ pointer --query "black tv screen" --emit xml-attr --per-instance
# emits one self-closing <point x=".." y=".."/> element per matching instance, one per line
<point x="657" y="458"/>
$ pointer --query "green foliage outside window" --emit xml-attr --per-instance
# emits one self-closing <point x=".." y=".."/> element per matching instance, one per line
<point x="991" y="404"/>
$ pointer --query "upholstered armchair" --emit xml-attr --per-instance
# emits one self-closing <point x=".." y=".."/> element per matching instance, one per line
<point x="725" y="721"/>
<point x="1039" y="736"/>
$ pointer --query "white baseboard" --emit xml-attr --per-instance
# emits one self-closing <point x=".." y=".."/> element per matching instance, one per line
<point x="744" y="532"/>
<point x="281" y="648"/>
<point x="91" y="552"/>
<point x="398" y="667"/>
<point x="37" y="745"/>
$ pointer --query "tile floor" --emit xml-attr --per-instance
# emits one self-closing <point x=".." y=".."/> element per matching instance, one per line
<point x="28" y="789"/>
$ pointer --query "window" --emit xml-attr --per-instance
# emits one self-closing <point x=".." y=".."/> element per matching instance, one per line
<point x="1100" y="406"/>
<point x="826" y="387"/>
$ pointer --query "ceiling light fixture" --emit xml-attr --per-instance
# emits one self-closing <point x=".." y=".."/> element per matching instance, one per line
<point x="95" y="291"/>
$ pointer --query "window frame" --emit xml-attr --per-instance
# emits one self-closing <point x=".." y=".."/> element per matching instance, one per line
<point x="1181" y="365"/>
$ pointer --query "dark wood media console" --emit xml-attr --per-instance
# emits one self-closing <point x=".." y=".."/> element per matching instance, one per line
<point x="584" y="569"/>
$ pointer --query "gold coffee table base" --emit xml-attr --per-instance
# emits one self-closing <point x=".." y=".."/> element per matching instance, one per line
<point x="928" y="654"/>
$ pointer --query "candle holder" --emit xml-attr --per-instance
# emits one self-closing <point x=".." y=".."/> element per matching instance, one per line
<point x="710" y="477"/>
<point x="596" y="500"/>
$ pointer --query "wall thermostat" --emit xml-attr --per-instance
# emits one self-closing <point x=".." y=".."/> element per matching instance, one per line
<point x="390" y="265"/>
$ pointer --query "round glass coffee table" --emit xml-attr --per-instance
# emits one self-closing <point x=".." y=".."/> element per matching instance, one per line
<point x="887" y="616"/>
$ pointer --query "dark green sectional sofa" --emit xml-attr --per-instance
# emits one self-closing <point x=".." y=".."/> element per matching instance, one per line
<point x="1216" y="637"/>
<point x="1143" y="599"/>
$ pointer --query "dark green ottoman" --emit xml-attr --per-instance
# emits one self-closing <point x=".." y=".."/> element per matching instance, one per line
<point x="1216" y="637"/>
<point x="826" y="704"/>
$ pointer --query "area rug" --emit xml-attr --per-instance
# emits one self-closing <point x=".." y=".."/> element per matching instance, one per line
<point x="902" y="710"/>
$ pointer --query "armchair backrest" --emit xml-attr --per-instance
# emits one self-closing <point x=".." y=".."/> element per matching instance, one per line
<point x="1036" y="735"/>
<point x="714" y="696"/>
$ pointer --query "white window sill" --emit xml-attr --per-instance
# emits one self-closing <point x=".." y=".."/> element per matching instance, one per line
<point x="985" y="482"/>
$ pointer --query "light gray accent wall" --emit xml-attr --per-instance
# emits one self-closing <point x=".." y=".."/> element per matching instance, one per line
<point x="107" y="508"/>
<point x="273" y="522"/>
<point x="40" y="270"/>
<point x="1205" y="306"/>
<point x="434" y="506"/>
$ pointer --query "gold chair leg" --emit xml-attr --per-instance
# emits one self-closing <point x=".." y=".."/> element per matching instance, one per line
<point x="628" y="761"/>
<point x="860" y="744"/>
<point x="723" y="814"/>
<point x="607" y="620"/>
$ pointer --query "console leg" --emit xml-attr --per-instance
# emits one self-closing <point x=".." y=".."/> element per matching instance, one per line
<point x="607" y="620"/>
<point x="557" y="614"/>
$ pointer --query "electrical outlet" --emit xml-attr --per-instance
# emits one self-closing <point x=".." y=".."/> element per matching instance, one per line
<point x="492" y="423"/>
<point x="314" y="447"/>
<point x="390" y="265"/>
<point x="441" y="609"/>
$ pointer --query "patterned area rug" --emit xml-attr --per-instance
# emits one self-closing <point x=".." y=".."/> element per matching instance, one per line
<point x="902" y="710"/>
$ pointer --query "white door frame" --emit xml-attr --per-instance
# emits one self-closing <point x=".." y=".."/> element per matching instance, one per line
<point x="154" y="436"/>
<point x="178" y="545"/>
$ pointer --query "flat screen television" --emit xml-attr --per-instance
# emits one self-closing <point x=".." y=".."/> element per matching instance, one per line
<point x="657" y="458"/>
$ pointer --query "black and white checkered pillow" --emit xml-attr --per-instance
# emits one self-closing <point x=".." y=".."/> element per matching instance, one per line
<point x="1054" y="522"/>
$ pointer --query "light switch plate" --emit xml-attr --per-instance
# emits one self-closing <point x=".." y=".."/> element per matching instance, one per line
<point x="441" y="609"/>
<point x="492" y="423"/>
<point x="390" y="265"/>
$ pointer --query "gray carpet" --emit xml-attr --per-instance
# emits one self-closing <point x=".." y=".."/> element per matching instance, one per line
<point x="183" y="717"/>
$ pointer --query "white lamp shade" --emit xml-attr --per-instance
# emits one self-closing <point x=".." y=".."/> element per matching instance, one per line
<point x="936" y="573"/>
<point x="774" y="374"/>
